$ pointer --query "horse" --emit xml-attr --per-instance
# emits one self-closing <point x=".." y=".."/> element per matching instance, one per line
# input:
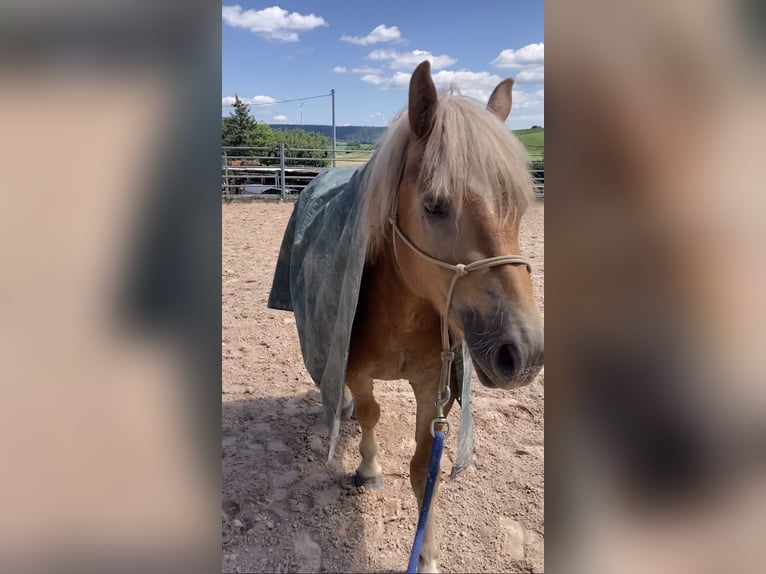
<point x="444" y="194"/>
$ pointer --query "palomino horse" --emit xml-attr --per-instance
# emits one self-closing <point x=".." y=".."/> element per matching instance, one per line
<point x="446" y="187"/>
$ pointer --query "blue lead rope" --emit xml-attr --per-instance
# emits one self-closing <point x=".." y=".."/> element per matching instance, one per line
<point x="433" y="470"/>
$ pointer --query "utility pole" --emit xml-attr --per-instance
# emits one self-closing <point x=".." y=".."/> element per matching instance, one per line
<point x="332" y="93"/>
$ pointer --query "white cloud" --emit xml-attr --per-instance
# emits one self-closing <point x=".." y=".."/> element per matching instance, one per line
<point x="528" y="100"/>
<point x="531" y="118"/>
<point x="477" y="85"/>
<point x="409" y="60"/>
<point x="274" y="23"/>
<point x="379" y="34"/>
<point x="534" y="75"/>
<point x="444" y="78"/>
<point x="529" y="60"/>
<point x="280" y="118"/>
<point x="366" y="70"/>
<point x="262" y="100"/>
<point x="257" y="100"/>
<point x="399" y="80"/>
<point x="373" y="79"/>
<point x="358" y="70"/>
<point x="529" y="55"/>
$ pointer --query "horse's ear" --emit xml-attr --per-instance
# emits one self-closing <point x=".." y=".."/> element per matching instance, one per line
<point x="423" y="100"/>
<point x="501" y="98"/>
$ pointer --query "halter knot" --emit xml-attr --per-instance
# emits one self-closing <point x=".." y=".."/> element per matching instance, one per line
<point x="448" y="356"/>
<point x="460" y="270"/>
<point x="393" y="219"/>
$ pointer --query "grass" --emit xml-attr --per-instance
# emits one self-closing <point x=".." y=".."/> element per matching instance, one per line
<point x="533" y="139"/>
<point x="346" y="156"/>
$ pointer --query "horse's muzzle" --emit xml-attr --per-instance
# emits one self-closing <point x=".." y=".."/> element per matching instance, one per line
<point x="506" y="353"/>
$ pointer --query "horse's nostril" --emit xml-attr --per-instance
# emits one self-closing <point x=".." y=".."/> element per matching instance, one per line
<point x="507" y="359"/>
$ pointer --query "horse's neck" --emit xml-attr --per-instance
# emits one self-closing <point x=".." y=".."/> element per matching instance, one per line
<point x="395" y="331"/>
<point x="389" y="297"/>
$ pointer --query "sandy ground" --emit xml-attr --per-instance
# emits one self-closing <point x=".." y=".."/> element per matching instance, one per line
<point x="286" y="510"/>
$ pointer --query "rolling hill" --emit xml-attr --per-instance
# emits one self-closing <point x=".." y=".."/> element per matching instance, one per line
<point x="533" y="138"/>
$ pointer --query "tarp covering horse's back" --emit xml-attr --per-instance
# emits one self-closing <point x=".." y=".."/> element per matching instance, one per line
<point x="318" y="277"/>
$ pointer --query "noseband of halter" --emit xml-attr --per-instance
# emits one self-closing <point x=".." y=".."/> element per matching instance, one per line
<point x="460" y="270"/>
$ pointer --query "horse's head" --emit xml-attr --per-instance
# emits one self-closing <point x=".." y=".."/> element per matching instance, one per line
<point x="465" y="185"/>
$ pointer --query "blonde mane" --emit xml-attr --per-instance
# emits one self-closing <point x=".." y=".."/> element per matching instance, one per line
<point x="469" y="151"/>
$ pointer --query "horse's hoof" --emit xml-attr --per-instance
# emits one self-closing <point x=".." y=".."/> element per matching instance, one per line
<point x="427" y="567"/>
<point x="375" y="482"/>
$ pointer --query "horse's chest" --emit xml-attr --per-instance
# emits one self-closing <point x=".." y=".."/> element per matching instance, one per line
<point x="395" y="341"/>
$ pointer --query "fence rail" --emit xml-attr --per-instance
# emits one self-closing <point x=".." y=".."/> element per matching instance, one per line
<point x="283" y="172"/>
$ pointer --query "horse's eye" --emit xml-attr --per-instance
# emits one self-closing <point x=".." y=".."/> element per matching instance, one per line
<point x="435" y="207"/>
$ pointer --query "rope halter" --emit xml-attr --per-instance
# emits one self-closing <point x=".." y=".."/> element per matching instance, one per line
<point x="460" y="270"/>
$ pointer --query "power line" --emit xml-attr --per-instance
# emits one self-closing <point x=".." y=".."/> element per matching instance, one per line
<point x="279" y="101"/>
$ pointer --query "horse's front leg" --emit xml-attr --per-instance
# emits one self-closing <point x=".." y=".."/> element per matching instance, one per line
<point x="426" y="389"/>
<point x="369" y="473"/>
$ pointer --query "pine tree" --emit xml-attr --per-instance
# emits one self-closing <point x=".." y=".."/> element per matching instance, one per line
<point x="239" y="126"/>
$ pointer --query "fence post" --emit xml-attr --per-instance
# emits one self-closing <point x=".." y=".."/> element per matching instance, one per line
<point x="226" y="171"/>
<point x="282" y="169"/>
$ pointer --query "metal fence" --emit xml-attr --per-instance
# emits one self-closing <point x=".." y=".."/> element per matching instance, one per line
<point x="283" y="172"/>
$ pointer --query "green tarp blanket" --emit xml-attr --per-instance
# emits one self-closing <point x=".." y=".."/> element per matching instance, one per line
<point x="318" y="277"/>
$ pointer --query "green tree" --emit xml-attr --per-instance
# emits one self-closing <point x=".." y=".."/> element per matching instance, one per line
<point x="238" y="127"/>
<point x="241" y="129"/>
<point x="262" y="136"/>
<point x="298" y="141"/>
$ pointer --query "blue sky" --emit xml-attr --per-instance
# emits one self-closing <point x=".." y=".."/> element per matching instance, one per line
<point x="366" y="51"/>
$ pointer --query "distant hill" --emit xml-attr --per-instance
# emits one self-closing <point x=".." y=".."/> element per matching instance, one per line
<point x="533" y="138"/>
<point x="359" y="134"/>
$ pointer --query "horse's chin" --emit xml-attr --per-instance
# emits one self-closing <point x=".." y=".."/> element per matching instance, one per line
<point x="524" y="378"/>
<point x="481" y="374"/>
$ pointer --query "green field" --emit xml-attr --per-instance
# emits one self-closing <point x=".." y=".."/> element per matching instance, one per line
<point x="533" y="139"/>
<point x="346" y="156"/>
